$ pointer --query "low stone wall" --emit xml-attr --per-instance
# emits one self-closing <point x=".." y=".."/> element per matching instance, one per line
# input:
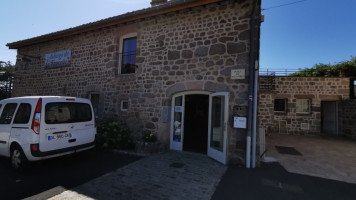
<point x="315" y="89"/>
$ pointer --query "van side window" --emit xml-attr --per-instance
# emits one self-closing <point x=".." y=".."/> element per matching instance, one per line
<point x="8" y="113"/>
<point x="23" y="114"/>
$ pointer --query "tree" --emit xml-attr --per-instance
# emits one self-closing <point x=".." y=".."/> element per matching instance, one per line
<point x="342" y="69"/>
<point x="6" y="79"/>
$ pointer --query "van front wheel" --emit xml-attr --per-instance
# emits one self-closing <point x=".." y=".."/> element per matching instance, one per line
<point x="18" y="158"/>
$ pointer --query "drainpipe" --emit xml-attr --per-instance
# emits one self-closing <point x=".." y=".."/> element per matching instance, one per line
<point x="255" y="96"/>
<point x="250" y="91"/>
<point x="252" y="97"/>
<point x="254" y="123"/>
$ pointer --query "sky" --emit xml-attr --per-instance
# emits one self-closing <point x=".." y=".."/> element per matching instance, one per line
<point x="295" y="34"/>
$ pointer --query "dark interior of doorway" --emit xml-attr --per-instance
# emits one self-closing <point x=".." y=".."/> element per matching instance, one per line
<point x="329" y="118"/>
<point x="196" y="123"/>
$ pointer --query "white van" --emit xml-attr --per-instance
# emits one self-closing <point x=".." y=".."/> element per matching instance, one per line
<point x="35" y="128"/>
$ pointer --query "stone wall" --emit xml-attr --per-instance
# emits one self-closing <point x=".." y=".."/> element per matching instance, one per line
<point x="316" y="89"/>
<point x="347" y="118"/>
<point x="190" y="50"/>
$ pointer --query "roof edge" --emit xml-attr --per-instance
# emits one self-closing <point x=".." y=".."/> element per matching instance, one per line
<point x="170" y="6"/>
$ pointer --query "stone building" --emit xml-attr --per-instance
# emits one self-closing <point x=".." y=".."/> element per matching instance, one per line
<point x="164" y="70"/>
<point x="303" y="105"/>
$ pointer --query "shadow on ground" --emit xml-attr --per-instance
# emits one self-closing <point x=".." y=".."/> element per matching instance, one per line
<point x="58" y="174"/>
<point x="272" y="181"/>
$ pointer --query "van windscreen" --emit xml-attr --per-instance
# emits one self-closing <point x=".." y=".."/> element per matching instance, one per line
<point x="67" y="112"/>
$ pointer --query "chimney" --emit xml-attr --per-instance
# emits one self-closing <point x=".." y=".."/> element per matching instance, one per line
<point x="158" y="2"/>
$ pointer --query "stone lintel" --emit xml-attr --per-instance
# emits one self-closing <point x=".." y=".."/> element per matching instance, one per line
<point x="330" y="97"/>
<point x="304" y="96"/>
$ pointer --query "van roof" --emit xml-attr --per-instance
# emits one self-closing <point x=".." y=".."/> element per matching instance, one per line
<point x="43" y="97"/>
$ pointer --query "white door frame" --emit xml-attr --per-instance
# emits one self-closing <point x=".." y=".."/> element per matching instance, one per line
<point x="174" y="145"/>
<point x="214" y="153"/>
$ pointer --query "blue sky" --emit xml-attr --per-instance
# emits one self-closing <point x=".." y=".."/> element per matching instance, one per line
<point x="294" y="36"/>
<point x="306" y="33"/>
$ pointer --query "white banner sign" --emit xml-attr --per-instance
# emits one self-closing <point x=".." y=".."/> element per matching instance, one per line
<point x="58" y="59"/>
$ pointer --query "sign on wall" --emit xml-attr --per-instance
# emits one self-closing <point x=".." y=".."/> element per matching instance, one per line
<point x="240" y="122"/>
<point x="237" y="74"/>
<point x="58" y="59"/>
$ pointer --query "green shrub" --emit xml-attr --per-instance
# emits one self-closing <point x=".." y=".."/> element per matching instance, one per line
<point x="110" y="135"/>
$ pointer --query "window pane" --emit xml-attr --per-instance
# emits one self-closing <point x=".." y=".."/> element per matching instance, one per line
<point x="177" y="125"/>
<point x="302" y="105"/>
<point x="280" y="105"/>
<point x="23" y="114"/>
<point x="62" y="112"/>
<point x="129" y="56"/>
<point x="8" y="113"/>
<point x="217" y="123"/>
<point x="124" y="105"/>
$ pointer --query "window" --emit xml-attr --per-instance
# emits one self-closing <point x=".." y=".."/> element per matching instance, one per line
<point x="124" y="105"/>
<point x="23" y="114"/>
<point x="94" y="98"/>
<point x="303" y="106"/>
<point x="8" y="113"/>
<point x="280" y="105"/>
<point x="63" y="112"/>
<point x="127" y="53"/>
<point x="128" y="59"/>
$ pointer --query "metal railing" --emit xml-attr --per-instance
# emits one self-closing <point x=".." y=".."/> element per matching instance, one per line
<point x="277" y="72"/>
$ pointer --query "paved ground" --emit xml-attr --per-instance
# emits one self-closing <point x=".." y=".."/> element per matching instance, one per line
<point x="330" y="158"/>
<point x="51" y="177"/>
<point x="184" y="175"/>
<point x="168" y="175"/>
<point x="272" y="181"/>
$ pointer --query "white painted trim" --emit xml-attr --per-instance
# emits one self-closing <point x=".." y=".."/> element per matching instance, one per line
<point x="179" y="145"/>
<point x="122" y="105"/>
<point x="213" y="153"/>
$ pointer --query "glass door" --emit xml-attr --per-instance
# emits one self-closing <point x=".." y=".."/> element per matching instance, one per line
<point x="218" y="114"/>
<point x="176" y="135"/>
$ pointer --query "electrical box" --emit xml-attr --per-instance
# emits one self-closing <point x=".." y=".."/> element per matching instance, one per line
<point x="240" y="122"/>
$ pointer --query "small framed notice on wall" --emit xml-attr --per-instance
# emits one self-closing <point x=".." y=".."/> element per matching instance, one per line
<point x="237" y="74"/>
<point x="240" y="122"/>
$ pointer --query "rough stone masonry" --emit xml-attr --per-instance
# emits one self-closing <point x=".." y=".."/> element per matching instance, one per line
<point x="188" y="50"/>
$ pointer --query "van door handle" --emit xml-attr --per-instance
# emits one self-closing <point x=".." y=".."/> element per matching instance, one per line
<point x="72" y="140"/>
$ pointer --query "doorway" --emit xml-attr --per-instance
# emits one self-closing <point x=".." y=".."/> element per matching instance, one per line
<point x="199" y="123"/>
<point x="329" y="118"/>
<point x="196" y="123"/>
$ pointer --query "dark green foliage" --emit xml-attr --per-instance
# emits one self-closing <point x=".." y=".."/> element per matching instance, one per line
<point x="110" y="135"/>
<point x="6" y="78"/>
<point x="342" y="69"/>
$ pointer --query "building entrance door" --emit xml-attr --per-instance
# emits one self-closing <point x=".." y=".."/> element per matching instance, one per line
<point x="199" y="123"/>
<point x="196" y="123"/>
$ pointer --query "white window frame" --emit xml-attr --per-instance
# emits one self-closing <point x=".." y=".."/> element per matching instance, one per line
<point x="309" y="106"/>
<point x="121" y="46"/>
<point x="122" y="105"/>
